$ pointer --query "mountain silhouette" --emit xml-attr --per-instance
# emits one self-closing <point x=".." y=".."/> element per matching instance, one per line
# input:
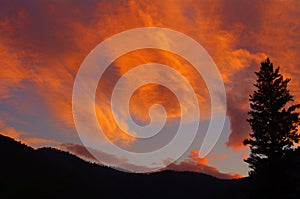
<point x="51" y="173"/>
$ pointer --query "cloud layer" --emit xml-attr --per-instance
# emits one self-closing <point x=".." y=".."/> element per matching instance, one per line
<point x="42" y="45"/>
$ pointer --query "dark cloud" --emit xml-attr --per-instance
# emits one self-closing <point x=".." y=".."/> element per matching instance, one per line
<point x="85" y="153"/>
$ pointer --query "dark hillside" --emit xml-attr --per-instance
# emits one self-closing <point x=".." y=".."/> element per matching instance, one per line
<point x="50" y="173"/>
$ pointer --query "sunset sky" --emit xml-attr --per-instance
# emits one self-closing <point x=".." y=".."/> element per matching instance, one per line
<point x="43" y="44"/>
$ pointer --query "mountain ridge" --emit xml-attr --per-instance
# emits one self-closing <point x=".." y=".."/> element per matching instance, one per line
<point x="52" y="173"/>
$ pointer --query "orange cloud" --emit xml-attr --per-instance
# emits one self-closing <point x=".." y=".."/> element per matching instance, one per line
<point x="245" y="155"/>
<point x="110" y="128"/>
<point x="41" y="51"/>
<point x="196" y="164"/>
<point x="39" y="142"/>
<point x="25" y="137"/>
<point x="147" y="95"/>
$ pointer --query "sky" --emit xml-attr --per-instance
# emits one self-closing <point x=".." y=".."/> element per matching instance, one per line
<point x="44" y="43"/>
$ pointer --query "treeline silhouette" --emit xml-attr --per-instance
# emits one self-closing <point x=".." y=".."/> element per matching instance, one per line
<point x="51" y="173"/>
<point x="279" y="181"/>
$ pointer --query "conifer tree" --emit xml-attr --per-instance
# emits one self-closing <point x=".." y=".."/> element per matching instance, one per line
<point x="273" y="120"/>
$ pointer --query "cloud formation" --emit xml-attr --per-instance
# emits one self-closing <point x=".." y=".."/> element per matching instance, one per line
<point x="82" y="152"/>
<point x="200" y="165"/>
<point x="42" y="45"/>
<point x="26" y="137"/>
<point x="193" y="164"/>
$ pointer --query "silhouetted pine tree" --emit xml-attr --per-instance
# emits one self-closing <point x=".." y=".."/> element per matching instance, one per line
<point x="274" y="130"/>
<point x="273" y="123"/>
